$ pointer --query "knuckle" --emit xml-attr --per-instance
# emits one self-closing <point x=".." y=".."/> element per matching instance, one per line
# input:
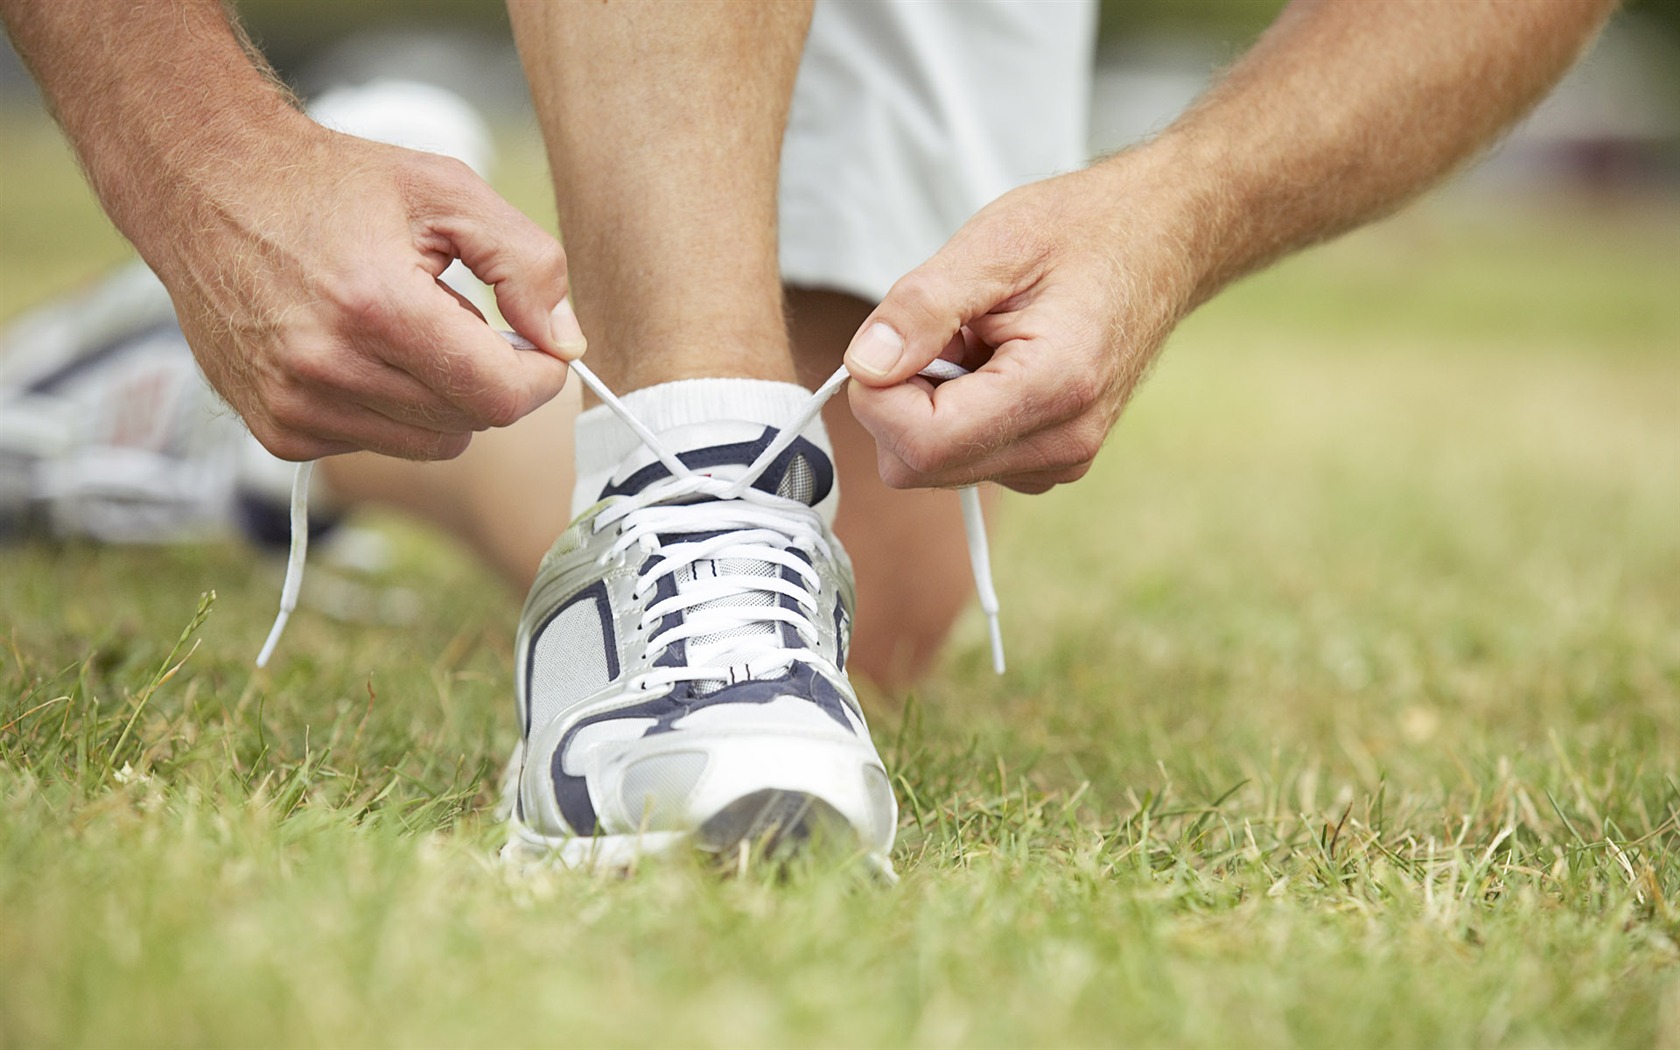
<point x="1086" y="443"/>
<point x="498" y="407"/>
<point x="895" y="475"/>
<point x="1073" y="447"/>
<point x="452" y="168"/>
<point x="359" y="296"/>
<point x="315" y="368"/>
<point x="921" y="456"/>
<point x="1073" y="473"/>
<point x="449" y="446"/>
<point x="436" y="170"/>
<point x="917" y="294"/>
<point x="426" y="446"/>
<point x="1081" y="390"/>
<point x="550" y="258"/>
<point x="435" y="416"/>
<point x="287" y="413"/>
<point x="284" y="444"/>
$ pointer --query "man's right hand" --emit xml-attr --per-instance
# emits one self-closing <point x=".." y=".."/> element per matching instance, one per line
<point x="306" y="281"/>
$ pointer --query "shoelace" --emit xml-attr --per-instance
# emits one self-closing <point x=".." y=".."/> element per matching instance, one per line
<point x="728" y="618"/>
<point x="772" y="531"/>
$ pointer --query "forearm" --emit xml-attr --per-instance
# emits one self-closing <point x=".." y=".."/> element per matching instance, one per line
<point x="159" y="99"/>
<point x="1344" y="110"/>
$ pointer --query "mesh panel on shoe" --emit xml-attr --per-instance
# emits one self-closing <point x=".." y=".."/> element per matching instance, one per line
<point x="799" y="481"/>
<point x="569" y="661"/>
<point x="655" y="788"/>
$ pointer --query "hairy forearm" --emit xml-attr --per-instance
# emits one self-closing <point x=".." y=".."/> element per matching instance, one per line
<point x="158" y="97"/>
<point x="1345" y="109"/>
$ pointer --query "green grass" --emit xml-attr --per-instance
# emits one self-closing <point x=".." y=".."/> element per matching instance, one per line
<point x="1344" y="709"/>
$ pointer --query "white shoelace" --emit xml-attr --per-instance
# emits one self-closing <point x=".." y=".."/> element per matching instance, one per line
<point x="761" y="527"/>
<point x="729" y="613"/>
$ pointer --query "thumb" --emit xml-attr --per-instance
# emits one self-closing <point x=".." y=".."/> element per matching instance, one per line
<point x="922" y="313"/>
<point x="527" y="269"/>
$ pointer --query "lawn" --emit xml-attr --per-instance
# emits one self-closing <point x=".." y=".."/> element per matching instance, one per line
<point x="1343" y="709"/>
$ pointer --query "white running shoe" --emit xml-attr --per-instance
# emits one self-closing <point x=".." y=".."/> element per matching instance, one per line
<point x="681" y="663"/>
<point x="107" y="430"/>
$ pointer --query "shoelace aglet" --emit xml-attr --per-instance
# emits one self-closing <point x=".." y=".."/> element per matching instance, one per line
<point x="294" y="559"/>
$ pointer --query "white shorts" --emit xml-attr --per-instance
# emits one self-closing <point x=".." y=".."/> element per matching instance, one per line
<point x="910" y="115"/>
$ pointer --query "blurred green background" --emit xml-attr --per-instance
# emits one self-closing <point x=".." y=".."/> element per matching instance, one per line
<point x="292" y="29"/>
<point x="1383" y="555"/>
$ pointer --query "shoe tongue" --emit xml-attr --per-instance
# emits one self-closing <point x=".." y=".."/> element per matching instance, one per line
<point x="725" y="450"/>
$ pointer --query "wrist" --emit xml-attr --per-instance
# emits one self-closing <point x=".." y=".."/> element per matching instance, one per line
<point x="1165" y="221"/>
<point x="173" y="176"/>
<point x="158" y="99"/>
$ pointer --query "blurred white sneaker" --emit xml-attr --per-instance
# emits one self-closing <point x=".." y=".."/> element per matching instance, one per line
<point x="107" y="429"/>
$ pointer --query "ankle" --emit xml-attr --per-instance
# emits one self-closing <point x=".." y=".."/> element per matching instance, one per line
<point x="707" y="349"/>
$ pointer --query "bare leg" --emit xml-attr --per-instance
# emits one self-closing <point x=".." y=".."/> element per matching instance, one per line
<point x="666" y="184"/>
<point x="506" y="497"/>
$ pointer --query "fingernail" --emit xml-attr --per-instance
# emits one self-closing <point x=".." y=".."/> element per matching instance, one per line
<point x="876" y="351"/>
<point x="568" y="334"/>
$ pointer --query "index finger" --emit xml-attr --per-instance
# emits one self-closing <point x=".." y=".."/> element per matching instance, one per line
<point x="460" y="357"/>
<point x="973" y="428"/>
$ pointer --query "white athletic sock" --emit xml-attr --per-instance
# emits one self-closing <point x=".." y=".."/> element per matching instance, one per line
<point x="604" y="441"/>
